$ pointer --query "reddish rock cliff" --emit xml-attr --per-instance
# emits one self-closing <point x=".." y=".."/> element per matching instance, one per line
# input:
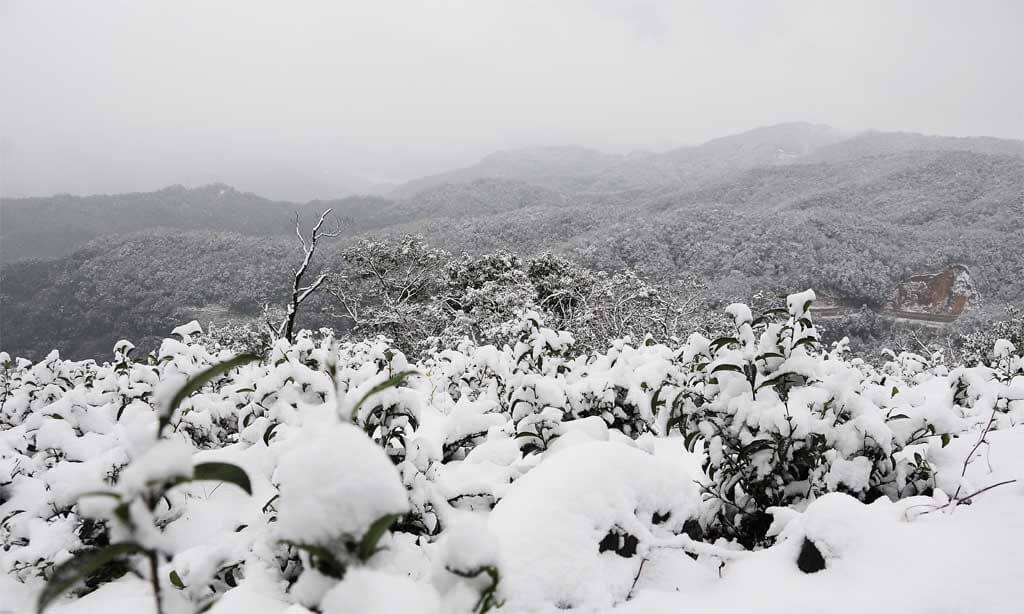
<point x="941" y="296"/>
<point x="934" y="298"/>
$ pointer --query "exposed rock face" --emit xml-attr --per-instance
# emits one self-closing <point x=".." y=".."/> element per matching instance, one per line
<point x="941" y="296"/>
<point x="928" y="298"/>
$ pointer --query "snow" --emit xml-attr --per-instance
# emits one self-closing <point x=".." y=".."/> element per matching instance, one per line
<point x="165" y="461"/>
<point x="468" y="545"/>
<point x="854" y="474"/>
<point x="585" y="482"/>
<point x="186" y="331"/>
<point x="335" y="482"/>
<point x="129" y="595"/>
<point x="797" y="303"/>
<point x="367" y="591"/>
<point x="740" y="313"/>
<point x="1003" y="348"/>
<point x="967" y="561"/>
<point x="551" y="521"/>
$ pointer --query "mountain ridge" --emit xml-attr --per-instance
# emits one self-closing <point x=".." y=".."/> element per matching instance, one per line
<point x="852" y="226"/>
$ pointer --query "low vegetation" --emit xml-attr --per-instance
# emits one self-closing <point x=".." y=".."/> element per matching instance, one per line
<point x="354" y="479"/>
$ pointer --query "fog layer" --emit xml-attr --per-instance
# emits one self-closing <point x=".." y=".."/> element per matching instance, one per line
<point x="314" y="99"/>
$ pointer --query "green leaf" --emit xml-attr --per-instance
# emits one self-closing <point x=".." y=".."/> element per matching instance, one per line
<point x="899" y="417"/>
<point x="727" y="367"/>
<point x="368" y="545"/>
<point x="9" y="516"/>
<point x="322" y="559"/>
<point x="810" y="341"/>
<point x="756" y="446"/>
<point x="946" y="438"/>
<point x="176" y="580"/>
<point x="721" y="342"/>
<point x="772" y="381"/>
<point x="394" y="381"/>
<point x="690" y="441"/>
<point x="123" y="513"/>
<point x="81" y="567"/>
<point x="894" y="392"/>
<point x="196" y="382"/>
<point x="655" y="401"/>
<point x="267" y="434"/>
<point x="223" y="472"/>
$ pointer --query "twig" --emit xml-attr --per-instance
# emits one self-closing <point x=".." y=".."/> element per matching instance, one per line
<point x="688" y="544"/>
<point x="967" y="461"/>
<point x="155" y="579"/>
<point x="987" y="488"/>
<point x="629" y="595"/>
<point x="954" y="502"/>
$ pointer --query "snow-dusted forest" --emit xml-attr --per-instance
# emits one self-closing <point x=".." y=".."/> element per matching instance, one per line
<point x="758" y="471"/>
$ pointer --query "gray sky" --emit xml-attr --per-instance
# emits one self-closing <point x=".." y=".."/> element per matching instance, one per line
<point x="110" y="96"/>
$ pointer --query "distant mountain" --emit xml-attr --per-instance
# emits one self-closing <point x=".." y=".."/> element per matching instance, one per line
<point x="777" y="208"/>
<point x="502" y="182"/>
<point x="477" y="197"/>
<point x="882" y="143"/>
<point x="556" y="168"/>
<point x="575" y="169"/>
<point x="688" y="166"/>
<point x="853" y="229"/>
<point x="58" y="225"/>
<point x="283" y="183"/>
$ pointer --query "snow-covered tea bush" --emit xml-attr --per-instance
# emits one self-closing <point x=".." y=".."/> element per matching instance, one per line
<point x="336" y="477"/>
<point x="787" y="420"/>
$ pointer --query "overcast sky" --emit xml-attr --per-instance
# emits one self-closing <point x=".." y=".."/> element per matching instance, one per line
<point x="107" y="96"/>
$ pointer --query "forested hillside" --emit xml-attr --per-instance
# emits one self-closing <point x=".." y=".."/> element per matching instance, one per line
<point x="788" y="206"/>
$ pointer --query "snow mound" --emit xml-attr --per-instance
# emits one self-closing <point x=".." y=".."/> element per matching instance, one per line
<point x="553" y="521"/>
<point x="367" y="591"/>
<point x="334" y="484"/>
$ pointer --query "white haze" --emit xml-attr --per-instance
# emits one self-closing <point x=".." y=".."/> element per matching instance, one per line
<point x="315" y="98"/>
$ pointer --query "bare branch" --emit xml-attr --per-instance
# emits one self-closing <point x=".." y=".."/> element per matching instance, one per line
<point x="312" y="287"/>
<point x="298" y="233"/>
<point x="299" y="292"/>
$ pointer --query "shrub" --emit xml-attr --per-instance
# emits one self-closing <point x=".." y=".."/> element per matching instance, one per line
<point x="103" y="464"/>
<point x="785" y="421"/>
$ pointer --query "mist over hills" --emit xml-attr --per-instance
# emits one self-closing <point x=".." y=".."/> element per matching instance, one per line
<point x="781" y="207"/>
<point x="576" y="169"/>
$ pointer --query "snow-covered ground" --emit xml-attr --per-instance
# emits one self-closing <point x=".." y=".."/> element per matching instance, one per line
<point x="339" y="478"/>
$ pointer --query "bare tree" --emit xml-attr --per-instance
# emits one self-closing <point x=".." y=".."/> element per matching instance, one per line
<point x="300" y="293"/>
